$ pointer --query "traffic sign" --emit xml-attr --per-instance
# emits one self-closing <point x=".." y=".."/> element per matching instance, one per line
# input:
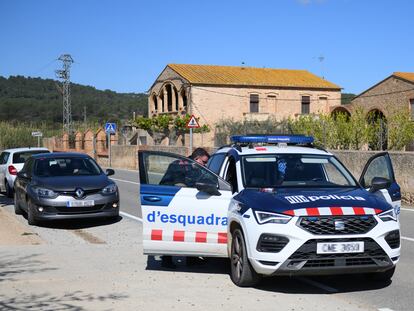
<point x="110" y="128"/>
<point x="37" y="134"/>
<point x="193" y="123"/>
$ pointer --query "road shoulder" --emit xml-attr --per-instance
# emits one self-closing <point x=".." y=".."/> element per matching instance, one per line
<point x="12" y="232"/>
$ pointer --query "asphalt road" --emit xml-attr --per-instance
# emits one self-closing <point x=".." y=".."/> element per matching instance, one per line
<point x="98" y="265"/>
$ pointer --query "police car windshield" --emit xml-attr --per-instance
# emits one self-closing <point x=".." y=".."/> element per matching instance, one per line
<point x="294" y="170"/>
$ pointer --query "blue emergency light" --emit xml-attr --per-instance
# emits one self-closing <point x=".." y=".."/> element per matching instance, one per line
<point x="272" y="139"/>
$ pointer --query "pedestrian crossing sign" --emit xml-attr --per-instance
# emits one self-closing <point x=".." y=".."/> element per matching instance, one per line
<point x="193" y="123"/>
<point x="110" y="128"/>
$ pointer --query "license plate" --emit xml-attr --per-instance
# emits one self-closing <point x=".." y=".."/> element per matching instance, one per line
<point x="340" y="247"/>
<point x="80" y="203"/>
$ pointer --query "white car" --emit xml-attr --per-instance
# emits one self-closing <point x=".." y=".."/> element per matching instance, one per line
<point x="11" y="162"/>
<point x="275" y="205"/>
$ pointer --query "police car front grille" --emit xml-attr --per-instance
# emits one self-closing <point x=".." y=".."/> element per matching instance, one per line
<point x="270" y="243"/>
<point x="326" y="224"/>
<point x="316" y="263"/>
<point x="372" y="255"/>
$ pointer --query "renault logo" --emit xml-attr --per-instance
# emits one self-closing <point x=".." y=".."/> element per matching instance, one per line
<point x="339" y="225"/>
<point x="79" y="193"/>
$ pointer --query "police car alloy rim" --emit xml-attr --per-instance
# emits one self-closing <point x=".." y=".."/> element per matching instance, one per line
<point x="237" y="256"/>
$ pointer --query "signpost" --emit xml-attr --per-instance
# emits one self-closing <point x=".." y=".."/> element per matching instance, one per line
<point x="110" y="129"/>
<point x="37" y="134"/>
<point x="192" y="123"/>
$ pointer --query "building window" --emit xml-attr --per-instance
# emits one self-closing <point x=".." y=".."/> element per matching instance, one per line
<point x="305" y="104"/>
<point x="154" y="99"/>
<point x="412" y="108"/>
<point x="254" y="103"/>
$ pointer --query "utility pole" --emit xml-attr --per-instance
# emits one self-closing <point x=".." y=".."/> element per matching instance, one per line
<point x="64" y="74"/>
<point x="84" y="117"/>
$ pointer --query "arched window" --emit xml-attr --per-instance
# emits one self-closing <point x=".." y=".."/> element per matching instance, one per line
<point x="184" y="97"/>
<point x="175" y="94"/>
<point x="155" y="102"/>
<point x="340" y="110"/>
<point x="378" y="130"/>
<point x="169" y="97"/>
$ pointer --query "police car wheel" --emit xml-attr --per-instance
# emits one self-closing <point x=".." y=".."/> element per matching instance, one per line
<point x="382" y="276"/>
<point x="242" y="273"/>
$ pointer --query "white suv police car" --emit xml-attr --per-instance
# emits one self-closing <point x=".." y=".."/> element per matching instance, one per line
<point x="275" y="205"/>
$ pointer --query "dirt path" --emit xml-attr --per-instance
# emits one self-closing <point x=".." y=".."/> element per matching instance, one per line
<point x="14" y="233"/>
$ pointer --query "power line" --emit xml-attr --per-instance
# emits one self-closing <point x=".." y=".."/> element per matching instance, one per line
<point x="44" y="67"/>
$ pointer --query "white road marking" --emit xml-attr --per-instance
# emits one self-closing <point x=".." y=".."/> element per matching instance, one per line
<point x="407" y="209"/>
<point x="407" y="238"/>
<point x="385" y="309"/>
<point x="130" y="216"/>
<point x="127" y="181"/>
<point x="318" y="284"/>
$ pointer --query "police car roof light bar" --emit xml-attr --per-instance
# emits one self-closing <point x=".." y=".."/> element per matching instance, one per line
<point x="273" y="139"/>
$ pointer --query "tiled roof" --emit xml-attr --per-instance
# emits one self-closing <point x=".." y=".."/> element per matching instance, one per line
<point x="405" y="75"/>
<point x="249" y="76"/>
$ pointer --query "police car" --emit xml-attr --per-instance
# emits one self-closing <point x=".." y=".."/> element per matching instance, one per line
<point x="275" y="205"/>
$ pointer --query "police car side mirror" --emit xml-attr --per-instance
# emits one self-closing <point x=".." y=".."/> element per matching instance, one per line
<point x="207" y="188"/>
<point x="379" y="183"/>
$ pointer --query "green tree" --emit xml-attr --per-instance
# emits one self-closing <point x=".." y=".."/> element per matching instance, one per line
<point x="162" y="126"/>
<point x="400" y="130"/>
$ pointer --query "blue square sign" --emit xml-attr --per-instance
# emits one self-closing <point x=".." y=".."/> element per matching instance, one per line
<point x="110" y="128"/>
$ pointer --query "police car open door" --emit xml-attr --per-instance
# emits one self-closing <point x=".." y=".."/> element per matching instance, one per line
<point x="184" y="206"/>
<point x="379" y="174"/>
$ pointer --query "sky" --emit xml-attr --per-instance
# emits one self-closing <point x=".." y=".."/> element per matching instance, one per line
<point x="124" y="45"/>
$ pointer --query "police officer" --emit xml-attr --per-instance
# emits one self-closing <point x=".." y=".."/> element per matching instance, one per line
<point x="173" y="176"/>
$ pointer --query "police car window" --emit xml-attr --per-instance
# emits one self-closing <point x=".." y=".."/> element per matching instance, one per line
<point x="174" y="171"/>
<point x="377" y="168"/>
<point x="215" y="162"/>
<point x="293" y="170"/>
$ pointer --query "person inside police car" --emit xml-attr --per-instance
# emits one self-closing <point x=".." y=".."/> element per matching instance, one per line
<point x="183" y="173"/>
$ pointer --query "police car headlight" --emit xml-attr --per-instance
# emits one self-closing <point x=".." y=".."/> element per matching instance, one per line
<point x="110" y="189"/>
<point x="266" y="217"/>
<point x="388" y="215"/>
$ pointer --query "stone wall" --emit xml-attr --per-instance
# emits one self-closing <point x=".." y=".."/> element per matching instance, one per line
<point x="126" y="157"/>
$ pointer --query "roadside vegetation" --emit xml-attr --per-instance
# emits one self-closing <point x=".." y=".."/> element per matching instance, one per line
<point x="20" y="134"/>
<point x="339" y="131"/>
<point x="167" y="126"/>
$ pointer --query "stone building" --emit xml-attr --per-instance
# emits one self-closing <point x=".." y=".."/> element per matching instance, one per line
<point x="213" y="93"/>
<point x="396" y="92"/>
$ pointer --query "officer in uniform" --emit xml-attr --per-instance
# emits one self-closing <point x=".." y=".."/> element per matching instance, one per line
<point x="180" y="173"/>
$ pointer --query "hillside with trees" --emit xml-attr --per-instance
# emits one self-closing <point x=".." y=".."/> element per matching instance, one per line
<point x="37" y="100"/>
